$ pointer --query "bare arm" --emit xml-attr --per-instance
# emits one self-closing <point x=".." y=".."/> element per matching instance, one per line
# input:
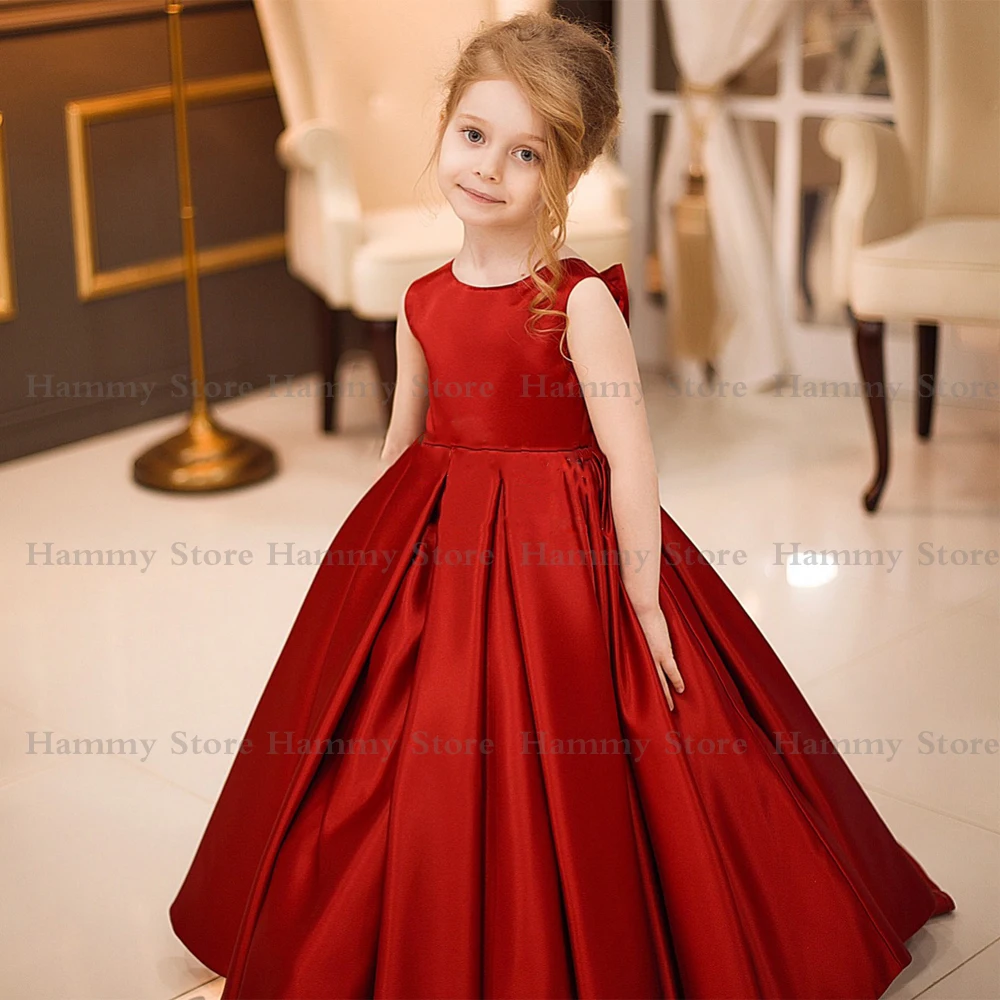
<point x="409" y="400"/>
<point x="604" y="360"/>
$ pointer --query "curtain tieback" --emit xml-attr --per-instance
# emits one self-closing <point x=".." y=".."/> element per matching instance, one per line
<point x="690" y="93"/>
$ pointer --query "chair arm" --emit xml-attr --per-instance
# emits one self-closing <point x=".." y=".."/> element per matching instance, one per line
<point x="618" y="184"/>
<point x="319" y="147"/>
<point x="323" y="212"/>
<point x="601" y="192"/>
<point x="875" y="198"/>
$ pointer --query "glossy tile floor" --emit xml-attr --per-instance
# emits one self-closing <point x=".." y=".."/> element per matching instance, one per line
<point x="94" y="846"/>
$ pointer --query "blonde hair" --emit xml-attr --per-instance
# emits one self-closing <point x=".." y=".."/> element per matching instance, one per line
<point x="566" y="71"/>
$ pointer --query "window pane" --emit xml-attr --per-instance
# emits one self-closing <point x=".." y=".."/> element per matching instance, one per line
<point x="841" y="53"/>
<point x="665" y="72"/>
<point x="820" y="179"/>
<point x="759" y="78"/>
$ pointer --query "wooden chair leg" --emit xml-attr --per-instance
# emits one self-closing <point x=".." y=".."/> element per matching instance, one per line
<point x="382" y="336"/>
<point x="927" y="339"/>
<point x="811" y="201"/>
<point x="331" y="347"/>
<point x="868" y="336"/>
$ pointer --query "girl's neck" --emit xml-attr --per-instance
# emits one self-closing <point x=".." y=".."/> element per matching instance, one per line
<point x="492" y="266"/>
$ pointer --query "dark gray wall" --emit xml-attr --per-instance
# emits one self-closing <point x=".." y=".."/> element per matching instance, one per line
<point x="258" y="320"/>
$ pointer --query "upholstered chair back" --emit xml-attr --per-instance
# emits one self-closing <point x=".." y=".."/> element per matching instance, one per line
<point x="945" y="85"/>
<point x="374" y="71"/>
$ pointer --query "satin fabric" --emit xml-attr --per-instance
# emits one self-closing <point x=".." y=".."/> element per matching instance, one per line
<point x="421" y="860"/>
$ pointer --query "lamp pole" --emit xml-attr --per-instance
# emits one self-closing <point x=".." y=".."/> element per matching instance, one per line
<point x="205" y="456"/>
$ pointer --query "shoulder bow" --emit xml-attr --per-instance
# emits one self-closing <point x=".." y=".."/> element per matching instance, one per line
<point x="614" y="278"/>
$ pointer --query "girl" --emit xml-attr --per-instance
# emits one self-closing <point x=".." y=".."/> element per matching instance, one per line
<point x="521" y="740"/>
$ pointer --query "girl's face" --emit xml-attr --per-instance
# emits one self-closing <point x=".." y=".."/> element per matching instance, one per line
<point x="490" y="163"/>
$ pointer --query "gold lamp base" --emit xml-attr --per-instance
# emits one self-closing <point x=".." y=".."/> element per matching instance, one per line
<point x="204" y="457"/>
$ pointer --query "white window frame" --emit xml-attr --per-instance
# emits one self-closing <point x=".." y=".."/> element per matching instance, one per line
<point x="811" y="345"/>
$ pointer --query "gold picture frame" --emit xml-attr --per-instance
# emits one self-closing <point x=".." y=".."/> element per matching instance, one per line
<point x="8" y="297"/>
<point x="93" y="283"/>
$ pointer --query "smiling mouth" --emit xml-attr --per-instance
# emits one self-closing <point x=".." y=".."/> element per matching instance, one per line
<point x="483" y="199"/>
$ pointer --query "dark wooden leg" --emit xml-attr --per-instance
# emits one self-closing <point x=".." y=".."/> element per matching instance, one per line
<point x="810" y="208"/>
<point x="382" y="336"/>
<point x="927" y="334"/>
<point x="331" y="347"/>
<point x="868" y="336"/>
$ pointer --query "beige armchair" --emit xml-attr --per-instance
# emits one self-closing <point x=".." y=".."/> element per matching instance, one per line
<point x="916" y="222"/>
<point x="358" y="86"/>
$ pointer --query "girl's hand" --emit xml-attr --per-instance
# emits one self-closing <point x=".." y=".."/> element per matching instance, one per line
<point x="654" y="627"/>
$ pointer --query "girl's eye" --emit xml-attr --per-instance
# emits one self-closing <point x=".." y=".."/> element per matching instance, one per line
<point x="471" y="133"/>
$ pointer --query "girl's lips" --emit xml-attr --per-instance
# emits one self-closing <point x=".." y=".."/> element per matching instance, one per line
<point x="477" y="197"/>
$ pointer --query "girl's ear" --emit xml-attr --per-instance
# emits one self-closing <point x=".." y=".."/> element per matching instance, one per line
<point x="574" y="176"/>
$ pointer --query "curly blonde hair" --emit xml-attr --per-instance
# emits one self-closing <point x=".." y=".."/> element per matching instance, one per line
<point x="566" y="71"/>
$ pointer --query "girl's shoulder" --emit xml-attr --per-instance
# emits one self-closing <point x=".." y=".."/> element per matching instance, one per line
<point x="612" y="276"/>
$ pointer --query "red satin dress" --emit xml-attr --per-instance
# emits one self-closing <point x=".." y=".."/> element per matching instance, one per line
<point x="462" y="779"/>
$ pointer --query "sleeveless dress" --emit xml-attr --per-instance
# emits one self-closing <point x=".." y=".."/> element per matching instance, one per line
<point x="462" y="778"/>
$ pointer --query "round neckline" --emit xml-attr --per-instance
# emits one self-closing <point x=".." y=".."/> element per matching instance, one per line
<point x="450" y="267"/>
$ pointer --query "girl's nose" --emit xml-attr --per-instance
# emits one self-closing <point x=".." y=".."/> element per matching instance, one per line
<point x="489" y="170"/>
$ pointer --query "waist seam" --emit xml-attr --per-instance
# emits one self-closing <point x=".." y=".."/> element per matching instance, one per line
<point x="472" y="447"/>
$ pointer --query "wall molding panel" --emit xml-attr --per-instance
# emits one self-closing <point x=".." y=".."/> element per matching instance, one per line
<point x="94" y="283"/>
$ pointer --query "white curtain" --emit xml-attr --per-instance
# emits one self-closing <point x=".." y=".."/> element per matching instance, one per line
<point x="713" y="40"/>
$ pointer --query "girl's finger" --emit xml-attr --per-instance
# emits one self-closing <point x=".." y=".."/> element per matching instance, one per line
<point x="674" y="673"/>
<point x="665" y="686"/>
<point x="667" y="663"/>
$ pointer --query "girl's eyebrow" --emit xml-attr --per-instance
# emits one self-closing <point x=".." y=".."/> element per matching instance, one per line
<point x="483" y="121"/>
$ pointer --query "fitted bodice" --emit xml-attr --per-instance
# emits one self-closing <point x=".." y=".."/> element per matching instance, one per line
<point x="491" y="383"/>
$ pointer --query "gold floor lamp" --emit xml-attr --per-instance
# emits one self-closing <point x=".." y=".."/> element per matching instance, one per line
<point x="204" y="457"/>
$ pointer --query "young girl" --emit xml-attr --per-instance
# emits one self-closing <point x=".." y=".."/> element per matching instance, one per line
<point x="521" y="740"/>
